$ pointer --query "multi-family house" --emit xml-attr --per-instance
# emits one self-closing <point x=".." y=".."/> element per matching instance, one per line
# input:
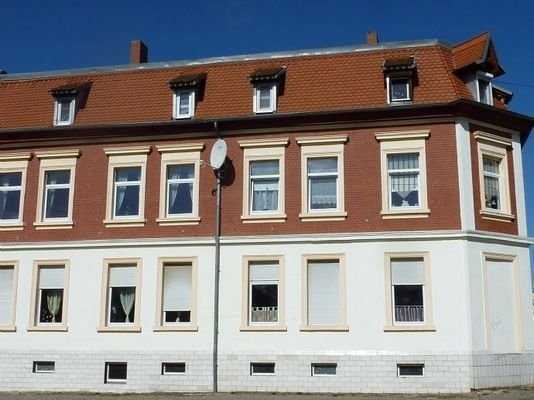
<point x="373" y="227"/>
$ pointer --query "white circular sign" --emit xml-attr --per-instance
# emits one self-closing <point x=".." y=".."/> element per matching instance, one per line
<point x="218" y="154"/>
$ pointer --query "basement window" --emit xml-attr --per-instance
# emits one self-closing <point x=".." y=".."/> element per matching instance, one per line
<point x="116" y="372"/>
<point x="173" y="368"/>
<point x="409" y="370"/>
<point x="262" y="368"/>
<point x="323" y="369"/>
<point x="44" y="367"/>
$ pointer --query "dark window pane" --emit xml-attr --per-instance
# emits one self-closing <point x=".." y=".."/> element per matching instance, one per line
<point x="261" y="368"/>
<point x="409" y="303"/>
<point x="185" y="171"/>
<point x="399" y="89"/>
<point x="324" y="369"/>
<point x="181" y="198"/>
<point x="127" y="174"/>
<point x="122" y="305"/>
<point x="322" y="165"/>
<point x="61" y="177"/>
<point x="173" y="368"/>
<point x="265" y="98"/>
<point x="9" y="204"/>
<point x="64" y="109"/>
<point x="11" y="179"/>
<point x="51" y="306"/>
<point x="127" y="202"/>
<point x="264" y="303"/>
<point x="411" y="369"/>
<point x="177" y="316"/>
<point x="44" y="366"/>
<point x="264" y="167"/>
<point x="323" y="192"/>
<point x="57" y="203"/>
<point x="116" y="371"/>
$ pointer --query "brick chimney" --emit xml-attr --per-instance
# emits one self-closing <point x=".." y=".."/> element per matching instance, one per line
<point x="138" y="52"/>
<point x="372" y="38"/>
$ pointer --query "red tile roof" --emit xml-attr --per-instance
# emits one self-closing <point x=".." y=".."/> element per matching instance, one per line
<point x="477" y="50"/>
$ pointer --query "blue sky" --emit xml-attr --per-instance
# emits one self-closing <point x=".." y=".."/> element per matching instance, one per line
<point x="40" y="35"/>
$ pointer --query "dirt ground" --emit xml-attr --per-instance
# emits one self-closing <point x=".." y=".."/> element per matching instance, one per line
<point x="520" y="393"/>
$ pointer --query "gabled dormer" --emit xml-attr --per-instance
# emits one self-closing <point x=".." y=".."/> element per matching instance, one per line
<point x="68" y="99"/>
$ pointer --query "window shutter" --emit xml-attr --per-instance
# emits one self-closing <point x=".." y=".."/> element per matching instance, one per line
<point x="51" y="277"/>
<point x="263" y="272"/>
<point x="408" y="272"/>
<point x="6" y="295"/>
<point x="323" y="293"/>
<point x="122" y="276"/>
<point x="177" y="288"/>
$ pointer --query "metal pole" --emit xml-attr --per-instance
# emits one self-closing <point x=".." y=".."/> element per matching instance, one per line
<point x="217" y="271"/>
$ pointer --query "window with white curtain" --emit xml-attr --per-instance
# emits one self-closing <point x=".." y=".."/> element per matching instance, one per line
<point x="122" y="282"/>
<point x="180" y="189"/>
<point x="126" y="192"/>
<point x="403" y="178"/>
<point x="265" y="98"/>
<point x="491" y="167"/>
<point x="264" y="186"/>
<point x="399" y="89"/>
<point x="177" y="293"/>
<point x="64" y="110"/>
<point x="50" y="296"/>
<point x="56" y="196"/>
<point x="263" y="288"/>
<point x="323" y="292"/>
<point x="184" y="104"/>
<point x="10" y="196"/>
<point x="407" y="285"/>
<point x="323" y="178"/>
<point x="7" y="298"/>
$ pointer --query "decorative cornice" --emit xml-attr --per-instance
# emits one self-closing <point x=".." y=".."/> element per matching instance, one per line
<point x="327" y="139"/>
<point x="58" y="153"/>
<point x="489" y="137"/>
<point x="402" y="135"/>
<point x="15" y="156"/>
<point x="113" y="151"/>
<point x="263" y="142"/>
<point x="177" y="147"/>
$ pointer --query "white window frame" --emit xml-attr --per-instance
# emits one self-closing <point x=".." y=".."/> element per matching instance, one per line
<point x="252" y="373"/>
<point x="273" y="95"/>
<point x="36" y="369"/>
<point x="400" y="365"/>
<point x="35" y="303"/>
<point x="15" y="163"/>
<point x="115" y="381"/>
<point x="263" y="150"/>
<point x="105" y="296"/>
<point x="176" y="104"/>
<point x="55" y="161"/>
<point x="179" y="154"/>
<point x="120" y="158"/>
<point x="401" y="171"/>
<point x="14" y="265"/>
<point x="496" y="147"/>
<point x="404" y="142"/>
<point x="57" y="111"/>
<point x="486" y="77"/>
<point x="246" y="324"/>
<point x="391" y="324"/>
<point x="341" y="326"/>
<point x="409" y="83"/>
<point x="164" y="369"/>
<point x="323" y="364"/>
<point x="322" y="147"/>
<point x="161" y="325"/>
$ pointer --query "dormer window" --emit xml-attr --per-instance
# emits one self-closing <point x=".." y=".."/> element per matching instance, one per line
<point x="64" y="111"/>
<point x="400" y="76"/>
<point x="68" y="99"/>
<point x="267" y="84"/>
<point x="187" y="89"/>
<point x="484" y="90"/>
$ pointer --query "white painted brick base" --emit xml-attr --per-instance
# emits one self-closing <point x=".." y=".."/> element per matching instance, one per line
<point x="497" y="370"/>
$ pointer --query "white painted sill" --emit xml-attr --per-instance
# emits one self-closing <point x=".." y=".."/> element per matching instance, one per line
<point x="118" y="223"/>
<point x="44" y="328"/>
<point x="119" y="329"/>
<point x="178" y="221"/>
<point x="11" y="226"/>
<point x="63" y="224"/>
<point x="266" y="328"/>
<point x="323" y="216"/>
<point x="410" y="328"/>
<point x="405" y="213"/>
<point x="496" y="215"/>
<point x="176" y="328"/>
<point x="8" y="328"/>
<point x="263" y="218"/>
<point x="324" y="328"/>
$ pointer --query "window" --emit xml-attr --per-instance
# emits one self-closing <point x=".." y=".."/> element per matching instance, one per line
<point x="126" y="186"/>
<point x="324" y="289"/>
<point x="407" y="370"/>
<point x="64" y="110"/>
<point x="262" y="368"/>
<point x="323" y="369"/>
<point x="56" y="189"/>
<point x="121" y="295"/>
<point x="116" y="372"/>
<point x="179" y="190"/>
<point x="172" y="368"/>
<point x="44" y="367"/>
<point x="403" y="165"/>
<point x="263" y="180"/>
<point x="399" y="89"/>
<point x="484" y="88"/>
<point x="495" y="202"/>
<point x="265" y="98"/>
<point x="10" y="196"/>
<point x="322" y="178"/>
<point x="177" y="293"/>
<point x="8" y="296"/>
<point x="408" y="291"/>
<point x="184" y="104"/>
<point x="50" y="295"/>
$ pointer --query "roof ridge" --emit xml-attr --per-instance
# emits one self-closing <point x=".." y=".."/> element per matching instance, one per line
<point x="455" y="46"/>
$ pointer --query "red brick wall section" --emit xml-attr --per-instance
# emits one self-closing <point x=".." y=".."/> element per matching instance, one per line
<point x="481" y="223"/>
<point x="362" y="194"/>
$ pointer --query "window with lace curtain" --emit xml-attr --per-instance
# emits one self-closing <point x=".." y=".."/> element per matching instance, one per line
<point x="491" y="167"/>
<point x="122" y="282"/>
<point x="403" y="177"/>
<point x="180" y="191"/>
<point x="322" y="183"/>
<point x="264" y="186"/>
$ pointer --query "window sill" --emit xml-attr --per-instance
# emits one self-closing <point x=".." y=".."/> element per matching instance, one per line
<point x="42" y="328"/>
<point x="17" y="226"/>
<point x="53" y="225"/>
<point x="119" y="329"/>
<point x="8" y="328"/>
<point x="266" y="328"/>
<point x="263" y="218"/>
<point x="178" y="221"/>
<point x="113" y="223"/>
<point x="497" y="216"/>
<point x="398" y="214"/>
<point x="177" y="328"/>
<point x="324" y="328"/>
<point x="323" y="216"/>
<point x="409" y="328"/>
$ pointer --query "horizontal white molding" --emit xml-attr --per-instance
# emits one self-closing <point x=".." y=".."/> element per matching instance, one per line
<point x="476" y="236"/>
